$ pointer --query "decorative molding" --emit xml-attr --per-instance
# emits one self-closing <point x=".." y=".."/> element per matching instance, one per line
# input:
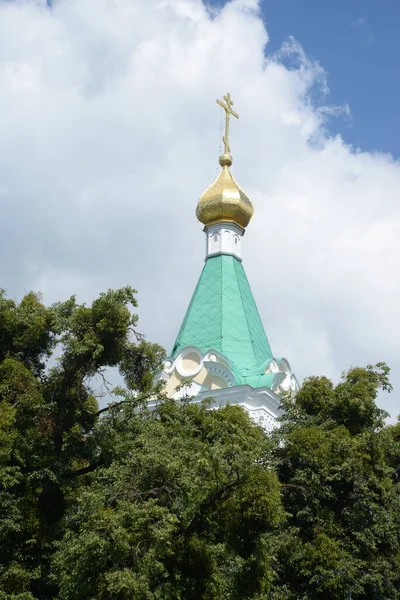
<point x="186" y="352"/>
<point x="262" y="404"/>
<point x="216" y="368"/>
<point x="211" y="356"/>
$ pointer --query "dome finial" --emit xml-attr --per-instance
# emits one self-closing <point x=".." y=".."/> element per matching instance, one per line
<point x="224" y="201"/>
<point x="227" y="106"/>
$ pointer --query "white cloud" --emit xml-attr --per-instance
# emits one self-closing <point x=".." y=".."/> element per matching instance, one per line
<point x="109" y="132"/>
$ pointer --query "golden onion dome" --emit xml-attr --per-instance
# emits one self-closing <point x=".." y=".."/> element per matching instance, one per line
<point x="224" y="200"/>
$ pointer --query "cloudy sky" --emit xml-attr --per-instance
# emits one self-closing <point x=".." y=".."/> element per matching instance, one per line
<point x="109" y="132"/>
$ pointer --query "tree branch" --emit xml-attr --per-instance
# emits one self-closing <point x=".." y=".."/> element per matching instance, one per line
<point x="84" y="470"/>
<point x="118" y="404"/>
<point x="209" y="502"/>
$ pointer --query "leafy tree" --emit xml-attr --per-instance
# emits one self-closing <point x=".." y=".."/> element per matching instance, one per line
<point x="123" y="503"/>
<point x="338" y="465"/>
<point x="49" y="358"/>
<point x="186" y="509"/>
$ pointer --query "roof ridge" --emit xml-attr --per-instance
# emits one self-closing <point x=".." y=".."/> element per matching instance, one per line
<point x="253" y="341"/>
<point x="244" y="310"/>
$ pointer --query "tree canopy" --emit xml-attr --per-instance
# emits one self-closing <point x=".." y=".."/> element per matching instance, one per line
<point x="116" y="502"/>
<point x="338" y="465"/>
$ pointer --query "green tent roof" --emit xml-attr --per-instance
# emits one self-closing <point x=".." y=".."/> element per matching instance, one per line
<point x="223" y="316"/>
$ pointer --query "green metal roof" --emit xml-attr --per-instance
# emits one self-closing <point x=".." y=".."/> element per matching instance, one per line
<point x="223" y="316"/>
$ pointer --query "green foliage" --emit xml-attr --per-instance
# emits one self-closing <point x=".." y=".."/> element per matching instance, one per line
<point x="49" y="415"/>
<point x="27" y="331"/>
<point x="184" y="502"/>
<point x="181" y="512"/>
<point x="337" y="463"/>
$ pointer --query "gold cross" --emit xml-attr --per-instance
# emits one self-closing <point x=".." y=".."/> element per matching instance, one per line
<point x="227" y="106"/>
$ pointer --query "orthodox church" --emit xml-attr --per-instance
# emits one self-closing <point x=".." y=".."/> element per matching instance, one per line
<point x="221" y="348"/>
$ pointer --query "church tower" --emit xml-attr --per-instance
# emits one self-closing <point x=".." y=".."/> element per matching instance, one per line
<point x="221" y="347"/>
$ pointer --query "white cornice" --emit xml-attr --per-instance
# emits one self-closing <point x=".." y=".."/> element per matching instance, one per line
<point x="262" y="404"/>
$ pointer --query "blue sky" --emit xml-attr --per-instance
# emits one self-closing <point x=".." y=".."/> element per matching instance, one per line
<point x="358" y="43"/>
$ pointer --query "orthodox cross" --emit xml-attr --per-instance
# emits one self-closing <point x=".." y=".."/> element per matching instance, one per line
<point x="227" y="106"/>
